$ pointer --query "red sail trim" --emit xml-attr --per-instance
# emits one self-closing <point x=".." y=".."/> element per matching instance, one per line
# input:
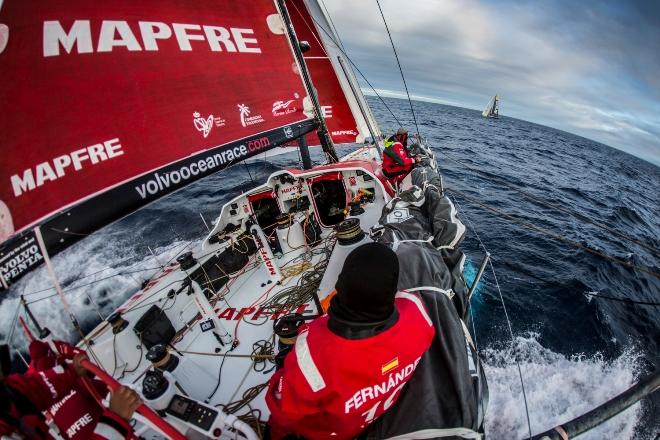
<point x="338" y="116"/>
<point x="93" y="97"/>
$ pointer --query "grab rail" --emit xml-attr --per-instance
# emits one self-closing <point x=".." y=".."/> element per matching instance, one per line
<point x="168" y="430"/>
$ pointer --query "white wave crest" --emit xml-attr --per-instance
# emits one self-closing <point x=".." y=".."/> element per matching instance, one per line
<point x="558" y="389"/>
<point x="96" y="277"/>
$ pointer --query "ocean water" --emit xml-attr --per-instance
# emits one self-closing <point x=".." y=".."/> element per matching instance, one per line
<point x="575" y="351"/>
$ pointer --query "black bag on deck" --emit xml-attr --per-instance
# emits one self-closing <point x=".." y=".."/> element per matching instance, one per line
<point x="154" y="327"/>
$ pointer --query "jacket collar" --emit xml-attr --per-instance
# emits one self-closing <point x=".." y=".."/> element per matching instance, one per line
<point x="361" y="330"/>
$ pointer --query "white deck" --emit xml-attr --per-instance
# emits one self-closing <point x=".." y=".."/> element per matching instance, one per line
<point x="238" y="304"/>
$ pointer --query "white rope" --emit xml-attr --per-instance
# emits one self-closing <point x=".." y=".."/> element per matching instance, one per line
<point x="508" y="321"/>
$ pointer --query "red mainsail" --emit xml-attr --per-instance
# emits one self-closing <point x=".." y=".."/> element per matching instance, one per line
<point x="107" y="106"/>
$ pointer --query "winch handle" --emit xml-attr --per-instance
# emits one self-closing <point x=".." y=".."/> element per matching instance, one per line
<point x="168" y="430"/>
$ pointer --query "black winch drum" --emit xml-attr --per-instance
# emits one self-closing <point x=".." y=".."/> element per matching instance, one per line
<point x="349" y="231"/>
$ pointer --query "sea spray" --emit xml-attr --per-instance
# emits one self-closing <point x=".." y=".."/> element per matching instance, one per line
<point x="558" y="389"/>
<point x="99" y="275"/>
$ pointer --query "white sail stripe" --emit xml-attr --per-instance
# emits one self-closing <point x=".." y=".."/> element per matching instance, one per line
<point x="307" y="365"/>
<point x="418" y="303"/>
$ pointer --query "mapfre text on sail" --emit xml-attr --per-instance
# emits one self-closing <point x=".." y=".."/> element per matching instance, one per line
<point x="52" y="170"/>
<point x="120" y="34"/>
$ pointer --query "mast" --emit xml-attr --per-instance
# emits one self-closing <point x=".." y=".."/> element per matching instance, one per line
<point x="322" y="133"/>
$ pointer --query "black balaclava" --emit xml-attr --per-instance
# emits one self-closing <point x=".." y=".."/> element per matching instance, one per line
<point x="366" y="285"/>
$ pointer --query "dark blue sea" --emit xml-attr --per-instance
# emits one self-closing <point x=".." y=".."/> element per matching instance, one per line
<point x="507" y="177"/>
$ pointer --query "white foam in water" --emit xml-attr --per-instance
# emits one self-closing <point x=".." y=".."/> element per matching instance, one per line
<point x="96" y="261"/>
<point x="558" y="389"/>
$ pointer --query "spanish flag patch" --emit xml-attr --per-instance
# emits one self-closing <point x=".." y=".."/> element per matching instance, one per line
<point x="391" y="365"/>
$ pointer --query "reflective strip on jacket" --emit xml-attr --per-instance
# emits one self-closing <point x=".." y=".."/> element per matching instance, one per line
<point x="332" y="387"/>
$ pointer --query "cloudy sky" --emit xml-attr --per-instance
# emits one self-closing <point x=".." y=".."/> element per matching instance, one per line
<point x="587" y="67"/>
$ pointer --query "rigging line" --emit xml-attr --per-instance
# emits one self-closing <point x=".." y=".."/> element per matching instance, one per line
<point x="332" y="24"/>
<point x="248" y="170"/>
<point x="302" y="17"/>
<point x="72" y="288"/>
<point x="13" y="324"/>
<point x="521" y="270"/>
<point x="340" y="48"/>
<point x="625" y="300"/>
<point x="43" y="298"/>
<point x="400" y="69"/>
<point x="102" y="279"/>
<point x="585" y="219"/>
<point x="508" y="321"/>
<point x="555" y="236"/>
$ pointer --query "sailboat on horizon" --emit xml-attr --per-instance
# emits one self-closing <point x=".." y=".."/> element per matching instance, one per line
<point x="492" y="110"/>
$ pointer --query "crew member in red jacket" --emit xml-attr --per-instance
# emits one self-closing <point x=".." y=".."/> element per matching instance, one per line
<point x="52" y="389"/>
<point x="348" y="367"/>
<point x="396" y="161"/>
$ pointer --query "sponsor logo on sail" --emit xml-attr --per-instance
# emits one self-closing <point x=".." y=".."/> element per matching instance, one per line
<point x="80" y="37"/>
<point x="204" y="125"/>
<point x="327" y="111"/>
<point x="246" y="118"/>
<point x="281" y="108"/>
<point x="17" y="261"/>
<point x="162" y="181"/>
<point x="60" y="166"/>
<point x="344" y="133"/>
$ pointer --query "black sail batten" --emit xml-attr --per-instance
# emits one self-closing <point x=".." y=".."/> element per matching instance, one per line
<point x="20" y="254"/>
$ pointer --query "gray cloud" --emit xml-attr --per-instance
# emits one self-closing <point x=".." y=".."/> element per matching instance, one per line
<point x="587" y="68"/>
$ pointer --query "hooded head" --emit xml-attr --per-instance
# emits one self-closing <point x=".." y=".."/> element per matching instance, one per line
<point x="366" y="285"/>
<point x="401" y="136"/>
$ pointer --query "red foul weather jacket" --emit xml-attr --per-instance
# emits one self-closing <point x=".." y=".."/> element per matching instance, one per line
<point x="56" y="390"/>
<point x="396" y="161"/>
<point x="331" y="387"/>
